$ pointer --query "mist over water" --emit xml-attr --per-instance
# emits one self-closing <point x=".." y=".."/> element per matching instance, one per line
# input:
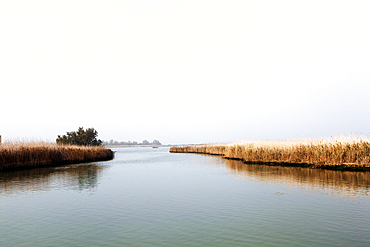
<point x="150" y="197"/>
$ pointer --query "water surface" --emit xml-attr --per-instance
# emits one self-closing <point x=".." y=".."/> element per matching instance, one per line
<point x="150" y="197"/>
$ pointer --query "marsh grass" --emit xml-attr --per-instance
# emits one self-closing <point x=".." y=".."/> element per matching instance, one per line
<point x="24" y="155"/>
<point x="342" y="153"/>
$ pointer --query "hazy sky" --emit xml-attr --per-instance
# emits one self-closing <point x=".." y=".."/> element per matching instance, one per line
<point x="184" y="71"/>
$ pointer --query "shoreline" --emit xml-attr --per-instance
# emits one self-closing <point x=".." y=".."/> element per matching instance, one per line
<point x="312" y="155"/>
<point x="135" y="146"/>
<point x="15" y="157"/>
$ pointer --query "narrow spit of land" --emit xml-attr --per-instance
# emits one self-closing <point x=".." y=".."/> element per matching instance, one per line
<point x="346" y="155"/>
<point x="18" y="156"/>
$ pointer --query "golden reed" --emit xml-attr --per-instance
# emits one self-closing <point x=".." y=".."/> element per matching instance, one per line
<point x="17" y="156"/>
<point x="345" y="153"/>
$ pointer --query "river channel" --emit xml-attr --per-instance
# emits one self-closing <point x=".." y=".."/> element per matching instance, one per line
<point x="150" y="197"/>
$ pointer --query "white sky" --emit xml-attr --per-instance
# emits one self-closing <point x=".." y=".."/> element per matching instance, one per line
<point x="184" y="71"/>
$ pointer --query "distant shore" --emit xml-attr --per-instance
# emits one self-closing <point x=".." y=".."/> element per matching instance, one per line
<point x="127" y="146"/>
<point x="349" y="155"/>
<point x="19" y="156"/>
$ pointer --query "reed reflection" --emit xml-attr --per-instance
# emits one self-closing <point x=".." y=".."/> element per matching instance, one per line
<point x="345" y="183"/>
<point x="75" y="177"/>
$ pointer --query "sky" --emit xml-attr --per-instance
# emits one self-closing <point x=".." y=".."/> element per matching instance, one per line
<point x="184" y="71"/>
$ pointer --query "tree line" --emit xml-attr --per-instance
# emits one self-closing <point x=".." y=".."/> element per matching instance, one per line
<point x="88" y="137"/>
<point x="144" y="142"/>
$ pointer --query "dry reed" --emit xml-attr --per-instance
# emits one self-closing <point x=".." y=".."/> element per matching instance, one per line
<point x="344" y="153"/>
<point x="23" y="155"/>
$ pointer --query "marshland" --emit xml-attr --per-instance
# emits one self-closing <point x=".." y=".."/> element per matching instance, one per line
<point x="151" y="197"/>
<point x="25" y="155"/>
<point x="343" y="153"/>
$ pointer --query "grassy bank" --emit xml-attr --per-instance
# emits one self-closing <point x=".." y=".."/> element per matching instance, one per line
<point x="341" y="154"/>
<point x="18" y="156"/>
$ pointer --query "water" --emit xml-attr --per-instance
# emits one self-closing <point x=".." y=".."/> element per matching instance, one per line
<point x="150" y="197"/>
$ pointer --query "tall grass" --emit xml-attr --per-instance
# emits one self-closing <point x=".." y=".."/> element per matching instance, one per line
<point x="344" y="153"/>
<point x="23" y="155"/>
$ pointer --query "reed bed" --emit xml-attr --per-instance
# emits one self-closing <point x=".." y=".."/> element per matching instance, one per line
<point x="344" y="153"/>
<point x="25" y="155"/>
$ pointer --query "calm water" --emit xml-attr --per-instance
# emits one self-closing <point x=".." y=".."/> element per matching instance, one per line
<point x="150" y="197"/>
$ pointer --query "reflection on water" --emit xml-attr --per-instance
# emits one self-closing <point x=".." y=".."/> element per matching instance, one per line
<point x="150" y="197"/>
<point x="345" y="183"/>
<point x="74" y="177"/>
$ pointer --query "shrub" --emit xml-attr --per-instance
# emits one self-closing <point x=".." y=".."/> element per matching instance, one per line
<point x="80" y="137"/>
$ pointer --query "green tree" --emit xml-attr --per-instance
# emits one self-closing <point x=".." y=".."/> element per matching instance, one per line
<point x="80" y="137"/>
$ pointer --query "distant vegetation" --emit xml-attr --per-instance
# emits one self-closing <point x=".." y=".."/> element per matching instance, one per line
<point x="74" y="147"/>
<point x="345" y="154"/>
<point x="145" y="142"/>
<point x="17" y="156"/>
<point x="80" y="137"/>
